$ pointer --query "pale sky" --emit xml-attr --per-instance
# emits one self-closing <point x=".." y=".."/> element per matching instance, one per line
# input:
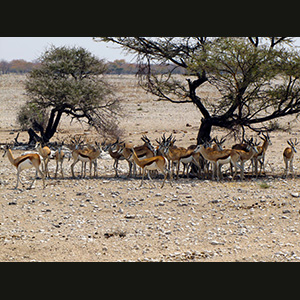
<point x="30" y="48"/>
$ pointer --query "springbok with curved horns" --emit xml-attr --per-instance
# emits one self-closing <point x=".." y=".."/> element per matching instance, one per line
<point x="24" y="162"/>
<point x="288" y="156"/>
<point x="151" y="163"/>
<point x="144" y="151"/>
<point x="260" y="156"/>
<point x="86" y="156"/>
<point x="247" y="155"/>
<point x="218" y="158"/>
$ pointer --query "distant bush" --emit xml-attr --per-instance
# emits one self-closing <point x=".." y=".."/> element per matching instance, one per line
<point x="118" y="67"/>
<point x="16" y="66"/>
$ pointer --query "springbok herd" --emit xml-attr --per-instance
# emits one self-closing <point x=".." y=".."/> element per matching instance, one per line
<point x="163" y="158"/>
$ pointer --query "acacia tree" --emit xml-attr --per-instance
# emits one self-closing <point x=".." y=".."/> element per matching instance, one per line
<point x="67" y="81"/>
<point x="257" y="78"/>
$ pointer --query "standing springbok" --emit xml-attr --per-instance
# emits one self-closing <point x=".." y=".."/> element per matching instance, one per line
<point x="190" y="159"/>
<point x="59" y="158"/>
<point x="173" y="153"/>
<point x="144" y="151"/>
<point x="86" y="156"/>
<point x="113" y="150"/>
<point x="218" y="158"/>
<point x="260" y="156"/>
<point x="45" y="154"/>
<point x="247" y="155"/>
<point x="24" y="162"/>
<point x="288" y="156"/>
<point x="152" y="163"/>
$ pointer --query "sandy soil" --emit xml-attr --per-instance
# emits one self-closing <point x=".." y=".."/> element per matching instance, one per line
<point x="113" y="219"/>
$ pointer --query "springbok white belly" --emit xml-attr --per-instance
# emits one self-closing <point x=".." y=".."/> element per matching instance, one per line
<point x="83" y="158"/>
<point x="187" y="160"/>
<point x="152" y="166"/>
<point x="26" y="164"/>
<point x="142" y="157"/>
<point x="224" y="161"/>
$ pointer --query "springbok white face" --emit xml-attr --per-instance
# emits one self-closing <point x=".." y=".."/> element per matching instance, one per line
<point x="197" y="149"/>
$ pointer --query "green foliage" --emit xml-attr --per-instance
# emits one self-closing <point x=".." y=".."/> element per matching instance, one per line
<point x="68" y="81"/>
<point x="258" y="78"/>
<point x="30" y="115"/>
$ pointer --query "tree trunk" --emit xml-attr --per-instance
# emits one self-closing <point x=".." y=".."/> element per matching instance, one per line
<point x="52" y="125"/>
<point x="204" y="130"/>
<point x="50" y="130"/>
<point x="33" y="137"/>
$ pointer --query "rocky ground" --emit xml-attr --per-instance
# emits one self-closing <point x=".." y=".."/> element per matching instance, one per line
<point x="113" y="219"/>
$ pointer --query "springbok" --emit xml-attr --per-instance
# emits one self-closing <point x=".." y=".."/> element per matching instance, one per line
<point x="260" y="156"/>
<point x="113" y="150"/>
<point x="144" y="151"/>
<point x="86" y="156"/>
<point x="218" y="158"/>
<point x="247" y="155"/>
<point x="45" y="154"/>
<point x="288" y="156"/>
<point x="152" y="163"/>
<point x="24" y="162"/>
<point x="173" y="153"/>
<point x="59" y="158"/>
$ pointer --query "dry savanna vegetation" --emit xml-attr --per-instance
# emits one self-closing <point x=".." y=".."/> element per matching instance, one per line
<point x="105" y="218"/>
